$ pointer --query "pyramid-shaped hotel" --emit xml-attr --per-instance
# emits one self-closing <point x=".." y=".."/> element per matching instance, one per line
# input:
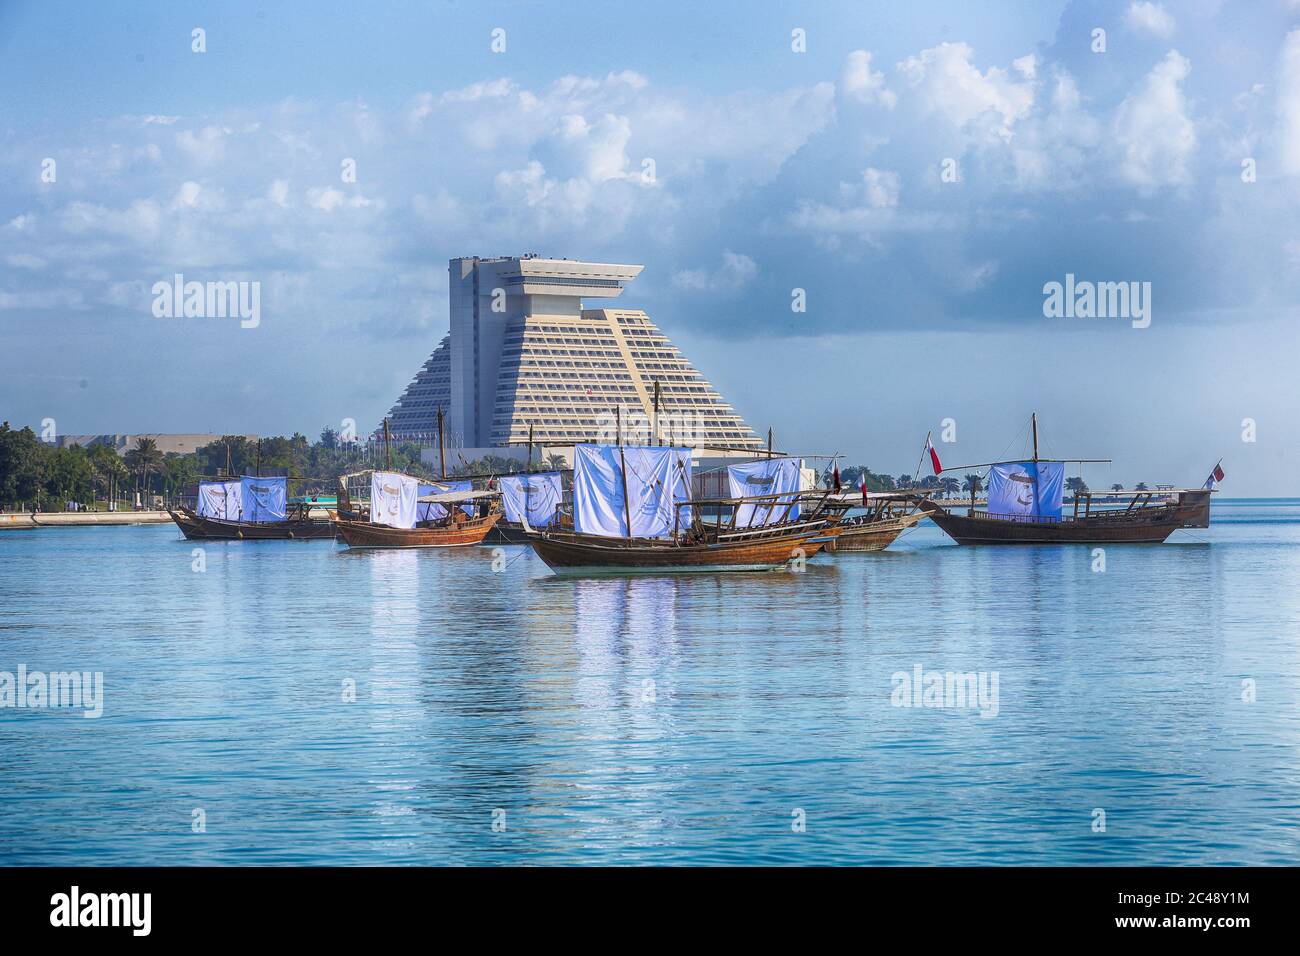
<point x="523" y="353"/>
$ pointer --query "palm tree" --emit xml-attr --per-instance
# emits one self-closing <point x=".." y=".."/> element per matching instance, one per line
<point x="144" y="460"/>
<point x="1117" y="487"/>
<point x="903" y="481"/>
<point x="949" y="485"/>
<point x="1141" y="486"/>
<point x="972" y="484"/>
<point x="555" y="461"/>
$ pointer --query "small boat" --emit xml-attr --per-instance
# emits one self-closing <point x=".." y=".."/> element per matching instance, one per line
<point x="1025" y="507"/>
<point x="634" y="514"/>
<point x="408" y="512"/>
<point x="249" y="509"/>
<point x="888" y="514"/>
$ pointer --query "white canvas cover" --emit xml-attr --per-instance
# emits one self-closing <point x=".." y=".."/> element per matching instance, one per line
<point x="775" y="476"/>
<point x="263" y="498"/>
<point x="392" y="499"/>
<point x="431" y="510"/>
<point x="220" y="499"/>
<point x="658" y="483"/>
<point x="1017" y="490"/>
<point x="536" y="495"/>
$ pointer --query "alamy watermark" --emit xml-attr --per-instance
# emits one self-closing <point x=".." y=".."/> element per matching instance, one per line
<point x="179" y="299"/>
<point x="1084" y="299"/>
<point x="974" y="690"/>
<point x="39" y="690"/>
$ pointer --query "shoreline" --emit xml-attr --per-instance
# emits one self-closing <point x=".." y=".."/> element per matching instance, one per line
<point x="69" y="519"/>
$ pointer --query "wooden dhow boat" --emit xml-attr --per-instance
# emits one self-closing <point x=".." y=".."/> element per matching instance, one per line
<point x="409" y="512"/>
<point x="249" y="508"/>
<point x="887" y="515"/>
<point x="634" y="514"/>
<point x="1025" y="507"/>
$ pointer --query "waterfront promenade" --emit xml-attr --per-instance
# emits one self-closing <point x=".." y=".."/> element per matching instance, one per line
<point x="56" y="519"/>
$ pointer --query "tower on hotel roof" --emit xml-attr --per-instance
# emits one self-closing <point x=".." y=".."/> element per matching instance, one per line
<point x="522" y="351"/>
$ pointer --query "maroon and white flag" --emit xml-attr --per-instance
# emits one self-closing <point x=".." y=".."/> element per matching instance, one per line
<point x="1216" y="476"/>
<point x="862" y="483"/>
<point x="934" y="455"/>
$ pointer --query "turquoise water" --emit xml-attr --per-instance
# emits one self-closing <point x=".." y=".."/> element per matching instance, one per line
<point x="772" y="696"/>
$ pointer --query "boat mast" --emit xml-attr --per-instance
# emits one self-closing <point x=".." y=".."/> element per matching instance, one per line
<point x="1033" y="424"/>
<point x="658" y="440"/>
<point x="257" y="470"/>
<point x="388" y="447"/>
<point x="442" y="448"/>
<point x="622" y="470"/>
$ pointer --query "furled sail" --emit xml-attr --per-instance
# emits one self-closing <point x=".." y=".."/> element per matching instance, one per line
<point x="770" y="476"/>
<point x="392" y="499"/>
<point x="1027" y="490"/>
<point x="221" y="500"/>
<point x="263" y="499"/>
<point x="535" y="496"/>
<point x="658" y="490"/>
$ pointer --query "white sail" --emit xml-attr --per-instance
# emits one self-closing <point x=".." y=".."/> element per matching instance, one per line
<point x="534" y="496"/>
<point x="1027" y="490"/>
<point x="658" y="481"/>
<point x="263" y="499"/>
<point x="768" y="476"/>
<point x="392" y="499"/>
<point x="221" y="500"/>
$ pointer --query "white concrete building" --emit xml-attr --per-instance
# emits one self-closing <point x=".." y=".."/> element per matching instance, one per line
<point x="523" y="351"/>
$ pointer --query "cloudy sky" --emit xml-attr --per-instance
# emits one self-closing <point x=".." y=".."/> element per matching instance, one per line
<point x="920" y="170"/>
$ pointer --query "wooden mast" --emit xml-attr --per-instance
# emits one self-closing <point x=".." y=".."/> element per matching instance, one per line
<point x="530" y="447"/>
<point x="622" y="471"/>
<point x="442" y="448"/>
<point x="658" y="440"/>
<point x="1033" y="421"/>
<point x="388" y="447"/>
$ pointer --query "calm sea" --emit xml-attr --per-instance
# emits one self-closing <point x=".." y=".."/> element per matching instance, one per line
<point x="1144" y="713"/>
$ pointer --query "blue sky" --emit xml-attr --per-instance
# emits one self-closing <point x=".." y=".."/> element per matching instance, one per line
<point x="773" y="170"/>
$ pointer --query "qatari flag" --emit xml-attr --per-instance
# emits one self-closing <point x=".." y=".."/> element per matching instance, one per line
<point x="1216" y="476"/>
<point x="934" y="456"/>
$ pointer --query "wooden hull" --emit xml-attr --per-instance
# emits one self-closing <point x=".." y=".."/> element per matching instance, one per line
<point x="1118" y="528"/>
<point x="197" y="528"/>
<point x="568" y="553"/>
<point x="873" y="535"/>
<point x="363" y="534"/>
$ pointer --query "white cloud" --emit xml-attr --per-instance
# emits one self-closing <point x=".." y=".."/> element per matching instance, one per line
<point x="736" y="272"/>
<point x="948" y="82"/>
<point x="859" y="82"/>
<point x="278" y="193"/>
<point x="1147" y="17"/>
<point x="1288" y="105"/>
<point x="1153" y="131"/>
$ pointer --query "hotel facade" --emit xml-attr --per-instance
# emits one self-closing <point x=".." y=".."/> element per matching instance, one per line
<point x="524" y="360"/>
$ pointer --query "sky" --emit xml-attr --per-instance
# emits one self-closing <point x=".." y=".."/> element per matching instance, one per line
<point x="922" y="172"/>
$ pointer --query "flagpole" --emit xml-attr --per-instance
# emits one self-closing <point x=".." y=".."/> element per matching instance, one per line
<point x="917" y="477"/>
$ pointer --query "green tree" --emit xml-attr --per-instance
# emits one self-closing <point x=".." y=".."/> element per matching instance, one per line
<point x="22" y="465"/>
<point x="1077" y="485"/>
<point x="144" y="461"/>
